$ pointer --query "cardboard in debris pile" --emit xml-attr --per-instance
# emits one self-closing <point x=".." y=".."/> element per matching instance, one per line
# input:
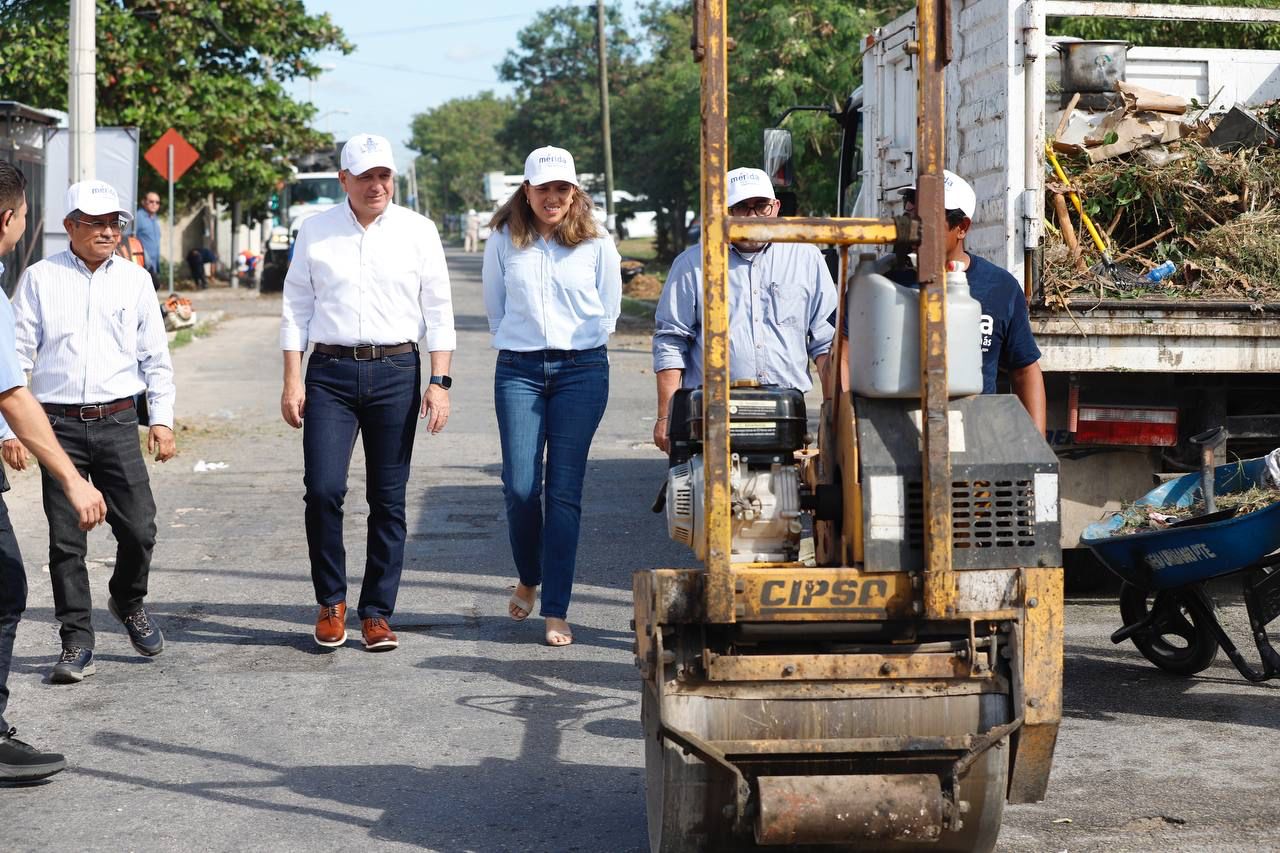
<point x="1134" y="131"/>
<point x="1078" y="127"/>
<point x="1139" y="99"/>
<point x="1147" y="118"/>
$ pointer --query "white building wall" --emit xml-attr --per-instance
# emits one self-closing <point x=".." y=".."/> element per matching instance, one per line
<point x="984" y="143"/>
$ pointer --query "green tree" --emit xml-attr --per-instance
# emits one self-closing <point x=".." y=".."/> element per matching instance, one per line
<point x="803" y="52"/>
<point x="214" y="71"/>
<point x="660" y="119"/>
<point x="459" y="141"/>
<point x="555" y="69"/>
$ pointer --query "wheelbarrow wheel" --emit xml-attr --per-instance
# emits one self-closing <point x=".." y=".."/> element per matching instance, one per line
<point x="1180" y="640"/>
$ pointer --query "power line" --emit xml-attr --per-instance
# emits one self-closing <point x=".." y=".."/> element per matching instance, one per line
<point x="402" y="69"/>
<point x="448" y="24"/>
<point x="440" y="26"/>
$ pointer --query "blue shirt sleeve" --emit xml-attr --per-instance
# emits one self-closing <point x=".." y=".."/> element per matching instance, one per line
<point x="1007" y="341"/>
<point x="822" y="313"/>
<point x="1020" y="346"/>
<point x="11" y="375"/>
<point x="678" y="314"/>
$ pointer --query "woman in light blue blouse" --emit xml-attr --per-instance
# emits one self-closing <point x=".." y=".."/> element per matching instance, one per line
<point x="552" y="291"/>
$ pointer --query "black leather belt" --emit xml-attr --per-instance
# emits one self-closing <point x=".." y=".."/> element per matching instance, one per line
<point x="366" y="352"/>
<point x="89" y="411"/>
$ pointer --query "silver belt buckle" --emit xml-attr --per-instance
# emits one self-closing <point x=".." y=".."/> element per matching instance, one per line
<point x="372" y="348"/>
<point x="96" y="417"/>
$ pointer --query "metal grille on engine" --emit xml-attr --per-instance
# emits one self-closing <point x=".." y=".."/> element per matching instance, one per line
<point x="984" y="514"/>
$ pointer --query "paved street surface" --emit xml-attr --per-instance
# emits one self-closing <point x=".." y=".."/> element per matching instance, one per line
<point x="244" y="735"/>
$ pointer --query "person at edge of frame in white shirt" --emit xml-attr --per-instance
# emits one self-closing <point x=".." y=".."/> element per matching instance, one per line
<point x="19" y="761"/>
<point x="367" y="282"/>
<point x="552" y="286"/>
<point x="88" y="328"/>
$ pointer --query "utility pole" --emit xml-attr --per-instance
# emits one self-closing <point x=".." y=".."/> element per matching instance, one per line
<point x="610" y="221"/>
<point x="411" y="188"/>
<point x="82" y="100"/>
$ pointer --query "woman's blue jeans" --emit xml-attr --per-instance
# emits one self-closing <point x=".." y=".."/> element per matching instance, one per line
<point x="548" y="403"/>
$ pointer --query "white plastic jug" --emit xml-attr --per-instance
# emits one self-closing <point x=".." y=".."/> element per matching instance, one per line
<point x="884" y="334"/>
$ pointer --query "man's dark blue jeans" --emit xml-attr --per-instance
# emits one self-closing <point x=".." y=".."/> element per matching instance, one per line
<point x="377" y="399"/>
<point x="13" y="600"/>
<point x="549" y="403"/>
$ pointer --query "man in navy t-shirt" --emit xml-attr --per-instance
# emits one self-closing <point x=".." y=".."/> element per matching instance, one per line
<point x="1007" y="342"/>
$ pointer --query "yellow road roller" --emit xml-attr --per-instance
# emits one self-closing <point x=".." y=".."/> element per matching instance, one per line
<point x="893" y="685"/>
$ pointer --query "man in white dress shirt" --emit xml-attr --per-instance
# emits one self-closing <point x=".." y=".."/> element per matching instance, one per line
<point x="88" y="328"/>
<point x="367" y="282"/>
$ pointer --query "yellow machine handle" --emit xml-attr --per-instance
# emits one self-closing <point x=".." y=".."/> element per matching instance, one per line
<point x="1075" y="200"/>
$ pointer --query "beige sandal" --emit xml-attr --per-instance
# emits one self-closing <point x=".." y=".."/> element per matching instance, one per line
<point x="556" y="637"/>
<point x="521" y="604"/>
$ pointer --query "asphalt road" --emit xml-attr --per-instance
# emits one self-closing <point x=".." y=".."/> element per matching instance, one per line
<point x="244" y="735"/>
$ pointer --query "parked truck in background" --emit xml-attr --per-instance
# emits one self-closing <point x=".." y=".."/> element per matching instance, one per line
<point x="1127" y="381"/>
<point x="310" y="193"/>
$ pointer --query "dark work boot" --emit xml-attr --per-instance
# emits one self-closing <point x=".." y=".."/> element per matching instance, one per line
<point x="73" y="665"/>
<point x="144" y="634"/>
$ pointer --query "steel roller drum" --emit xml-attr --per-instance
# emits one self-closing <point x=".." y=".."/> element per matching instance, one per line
<point x="682" y="792"/>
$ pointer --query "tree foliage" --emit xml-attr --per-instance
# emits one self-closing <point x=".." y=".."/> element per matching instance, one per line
<point x="555" y="69"/>
<point x="460" y="141"/>
<point x="799" y="52"/>
<point x="214" y="71"/>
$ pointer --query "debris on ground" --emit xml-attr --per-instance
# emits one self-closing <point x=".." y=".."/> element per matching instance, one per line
<point x="643" y="286"/>
<point x="1164" y="185"/>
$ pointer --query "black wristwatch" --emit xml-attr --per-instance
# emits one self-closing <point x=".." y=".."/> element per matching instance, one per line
<point x="445" y="382"/>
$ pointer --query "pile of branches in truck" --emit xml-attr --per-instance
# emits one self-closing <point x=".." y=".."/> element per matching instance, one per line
<point x="1186" y="205"/>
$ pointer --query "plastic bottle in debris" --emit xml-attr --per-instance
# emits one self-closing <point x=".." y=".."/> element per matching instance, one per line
<point x="1161" y="272"/>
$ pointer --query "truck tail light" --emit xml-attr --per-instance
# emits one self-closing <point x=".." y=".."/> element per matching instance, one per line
<point x="1147" y="426"/>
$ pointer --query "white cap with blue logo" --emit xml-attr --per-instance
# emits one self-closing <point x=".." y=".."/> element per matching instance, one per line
<point x="94" y="198"/>
<point x="365" y="151"/>
<point x="547" y="164"/>
<point x="748" y="183"/>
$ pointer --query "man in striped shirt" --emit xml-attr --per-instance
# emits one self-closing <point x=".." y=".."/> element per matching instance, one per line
<point x="90" y="332"/>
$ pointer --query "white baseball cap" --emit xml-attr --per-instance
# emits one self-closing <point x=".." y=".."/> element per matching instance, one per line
<point x="956" y="194"/>
<point x="365" y="151"/>
<point x="94" y="198"/>
<point x="749" y="183"/>
<point x="547" y="164"/>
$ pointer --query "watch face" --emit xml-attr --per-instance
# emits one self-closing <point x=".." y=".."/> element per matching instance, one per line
<point x="445" y="382"/>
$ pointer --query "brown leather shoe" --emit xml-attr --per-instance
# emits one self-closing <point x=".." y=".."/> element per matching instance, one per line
<point x="377" y="635"/>
<point x="331" y="627"/>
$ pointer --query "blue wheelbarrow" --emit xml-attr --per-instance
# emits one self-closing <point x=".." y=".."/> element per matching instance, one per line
<point x="1166" y="611"/>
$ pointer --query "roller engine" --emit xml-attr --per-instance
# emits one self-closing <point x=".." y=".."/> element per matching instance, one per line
<point x="768" y="428"/>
